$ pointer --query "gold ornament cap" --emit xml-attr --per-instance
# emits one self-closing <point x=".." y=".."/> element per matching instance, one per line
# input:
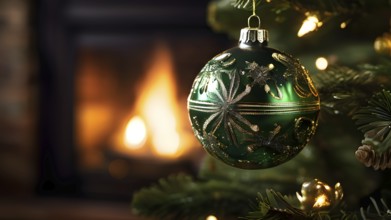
<point x="250" y="36"/>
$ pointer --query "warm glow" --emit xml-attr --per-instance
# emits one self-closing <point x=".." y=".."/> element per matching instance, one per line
<point x="343" y="25"/>
<point x="135" y="133"/>
<point x="157" y="107"/>
<point x="118" y="168"/>
<point x="309" y="24"/>
<point x="321" y="201"/>
<point x="159" y="112"/>
<point x="211" y="217"/>
<point x="321" y="63"/>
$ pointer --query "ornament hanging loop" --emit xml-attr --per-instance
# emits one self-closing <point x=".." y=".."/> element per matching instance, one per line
<point x="255" y="17"/>
<point x="253" y="34"/>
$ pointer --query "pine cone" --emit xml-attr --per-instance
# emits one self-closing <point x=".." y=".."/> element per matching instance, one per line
<point x="370" y="158"/>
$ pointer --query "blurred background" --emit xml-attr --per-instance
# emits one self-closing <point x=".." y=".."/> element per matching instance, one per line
<point x="93" y="102"/>
<point x="93" y="97"/>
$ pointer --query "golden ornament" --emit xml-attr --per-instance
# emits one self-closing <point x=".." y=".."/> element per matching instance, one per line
<point x="318" y="195"/>
<point x="382" y="44"/>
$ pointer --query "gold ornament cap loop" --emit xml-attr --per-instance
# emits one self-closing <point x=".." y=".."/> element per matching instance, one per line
<point x="252" y="36"/>
<point x="258" y="21"/>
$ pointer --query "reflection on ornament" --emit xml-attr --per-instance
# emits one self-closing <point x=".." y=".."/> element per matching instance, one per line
<point x="311" y="23"/>
<point x="321" y="201"/>
<point x="318" y="195"/>
<point x="253" y="106"/>
<point x="382" y="44"/>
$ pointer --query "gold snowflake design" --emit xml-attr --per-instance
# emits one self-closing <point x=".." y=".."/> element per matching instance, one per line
<point x="222" y="108"/>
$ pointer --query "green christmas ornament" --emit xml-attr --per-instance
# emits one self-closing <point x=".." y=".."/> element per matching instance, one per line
<point x="253" y="106"/>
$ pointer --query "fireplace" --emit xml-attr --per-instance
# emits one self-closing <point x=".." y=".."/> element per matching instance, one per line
<point x="115" y="76"/>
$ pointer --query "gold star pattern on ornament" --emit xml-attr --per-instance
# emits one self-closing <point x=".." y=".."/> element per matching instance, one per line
<point x="261" y="76"/>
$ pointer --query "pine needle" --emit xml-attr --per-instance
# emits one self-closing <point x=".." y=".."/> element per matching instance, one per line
<point x="343" y="90"/>
<point x="374" y="121"/>
<point x="181" y="197"/>
<point x="379" y="212"/>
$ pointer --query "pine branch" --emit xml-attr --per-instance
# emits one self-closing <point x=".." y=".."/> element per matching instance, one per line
<point x="245" y="4"/>
<point x="382" y="69"/>
<point x="376" y="211"/>
<point x="328" y="7"/>
<point x="180" y="197"/>
<point x="274" y="206"/>
<point x="327" y="11"/>
<point x="344" y="90"/>
<point x="374" y="121"/>
<point x="325" y="8"/>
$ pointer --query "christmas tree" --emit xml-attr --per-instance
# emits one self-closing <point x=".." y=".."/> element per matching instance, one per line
<point x="343" y="173"/>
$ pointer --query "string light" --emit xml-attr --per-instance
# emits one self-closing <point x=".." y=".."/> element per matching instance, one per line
<point x="321" y="63"/>
<point x="211" y="217"/>
<point x="343" y="25"/>
<point x="311" y="23"/>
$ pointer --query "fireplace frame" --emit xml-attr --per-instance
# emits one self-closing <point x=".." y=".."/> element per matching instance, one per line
<point x="61" y="23"/>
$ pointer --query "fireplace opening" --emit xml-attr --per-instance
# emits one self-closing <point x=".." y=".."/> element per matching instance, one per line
<point x="136" y="117"/>
<point x="116" y="117"/>
<point x="125" y="114"/>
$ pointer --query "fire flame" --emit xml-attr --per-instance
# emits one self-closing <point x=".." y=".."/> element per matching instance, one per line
<point x="135" y="133"/>
<point x="156" y="111"/>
